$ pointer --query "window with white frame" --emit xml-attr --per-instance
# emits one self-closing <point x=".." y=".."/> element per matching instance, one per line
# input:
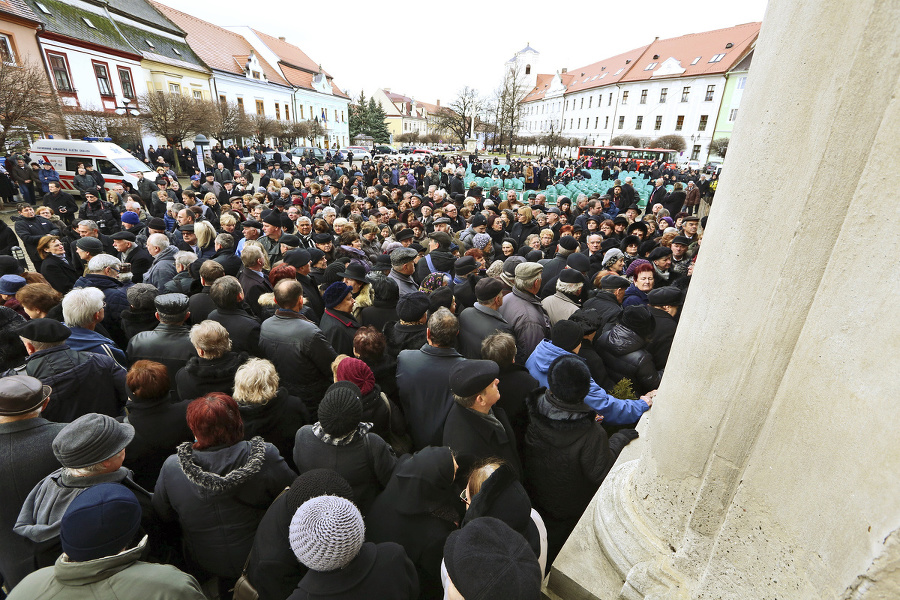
<point x="60" y="69"/>
<point x="6" y="51"/>
<point x="732" y="115"/>
<point x="102" y="75"/>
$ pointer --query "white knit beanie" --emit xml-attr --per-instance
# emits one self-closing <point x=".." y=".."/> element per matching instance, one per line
<point x="326" y="533"/>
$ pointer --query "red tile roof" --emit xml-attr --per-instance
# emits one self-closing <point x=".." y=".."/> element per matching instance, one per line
<point x="217" y="47"/>
<point x="607" y="71"/>
<point x="289" y="53"/>
<point x="18" y="8"/>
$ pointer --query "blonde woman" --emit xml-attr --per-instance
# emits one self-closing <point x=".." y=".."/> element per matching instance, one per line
<point x="268" y="410"/>
<point x="206" y="238"/>
<point x="524" y="226"/>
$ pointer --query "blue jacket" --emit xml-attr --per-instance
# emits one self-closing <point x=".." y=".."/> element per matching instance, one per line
<point x="634" y="297"/>
<point x="85" y="340"/>
<point x="613" y="410"/>
<point x="46" y="176"/>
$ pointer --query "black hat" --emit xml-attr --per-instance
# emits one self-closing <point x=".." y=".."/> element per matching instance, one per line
<point x="100" y="522"/>
<point x="569" y="380"/>
<point x="340" y="410"/>
<point x="123" y="235"/>
<point x="289" y="240"/>
<point x="638" y="319"/>
<point x="156" y="223"/>
<point x="568" y="242"/>
<point x="638" y="225"/>
<point x="21" y="394"/>
<point x="187" y="227"/>
<point x="566" y="335"/>
<point x="315" y="483"/>
<point x="478" y="220"/>
<point x="571" y="276"/>
<point x="564" y="200"/>
<point x="356" y="272"/>
<point x="464" y="265"/>
<point x="628" y="240"/>
<point x="273" y="219"/>
<point x="441" y="297"/>
<point x="171" y="304"/>
<point x="10" y="266"/>
<point x="335" y="293"/>
<point x="252" y="223"/>
<point x="620" y="220"/>
<point x="690" y="218"/>
<point x="488" y="559"/>
<point x="703" y="221"/>
<point x="659" y="252"/>
<point x="666" y="296"/>
<point x="614" y="282"/>
<point x="382" y="263"/>
<point x="322" y="238"/>
<point x="476" y="192"/>
<point x="315" y="255"/>
<point x="487" y="289"/>
<point x="470" y="377"/>
<point x="680" y="239"/>
<point x="48" y="331"/>
<point x="297" y="258"/>
<point x="412" y="307"/>
<point x="579" y="262"/>
<point x="89" y="244"/>
<point x="404" y="234"/>
<point x="532" y="256"/>
<point x="608" y="244"/>
<point x="589" y="319"/>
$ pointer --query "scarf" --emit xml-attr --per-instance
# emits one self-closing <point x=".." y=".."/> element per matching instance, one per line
<point x="362" y="429"/>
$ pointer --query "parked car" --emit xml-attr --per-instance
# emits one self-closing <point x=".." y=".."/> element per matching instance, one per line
<point x="382" y="149"/>
<point x="693" y="165"/>
<point x="359" y="152"/>
<point x="713" y="167"/>
<point x="318" y="154"/>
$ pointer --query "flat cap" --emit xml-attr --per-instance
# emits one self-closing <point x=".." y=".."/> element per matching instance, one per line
<point x="441" y="221"/>
<point x="464" y="265"/>
<point x="571" y="276"/>
<point x="404" y="234"/>
<point x="123" y="235"/>
<point x="659" y="252"/>
<point x="45" y="330"/>
<point x="614" y="282"/>
<point x="10" y="284"/>
<point x="442" y="238"/>
<point x="554" y="210"/>
<point x="297" y="258"/>
<point x="322" y="238"/>
<point x="690" y="218"/>
<point x="290" y="240"/>
<point x="171" y="304"/>
<point x="411" y="307"/>
<point x="487" y="289"/>
<point x="91" y="439"/>
<point x="470" y="377"/>
<point x="156" y="224"/>
<point x="90" y="244"/>
<point x="252" y="223"/>
<point x="189" y="227"/>
<point x="401" y="256"/>
<point x="680" y="239"/>
<point x="528" y="270"/>
<point x="21" y="394"/>
<point x="666" y="296"/>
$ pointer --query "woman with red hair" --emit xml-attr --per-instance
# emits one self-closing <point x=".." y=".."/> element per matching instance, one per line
<point x="640" y="272"/>
<point x="219" y="488"/>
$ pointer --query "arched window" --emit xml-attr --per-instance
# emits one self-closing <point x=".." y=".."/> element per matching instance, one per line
<point x="528" y="69"/>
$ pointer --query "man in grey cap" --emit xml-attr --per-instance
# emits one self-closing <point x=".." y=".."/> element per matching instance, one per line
<point x="91" y="450"/>
<point x="479" y="321"/>
<point x="522" y="309"/>
<point x="170" y="343"/>
<point x="403" y="265"/>
<point x="608" y="301"/>
<point x="23" y="433"/>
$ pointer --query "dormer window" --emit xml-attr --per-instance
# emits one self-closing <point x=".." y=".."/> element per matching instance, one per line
<point x="717" y="58"/>
<point x="619" y="71"/>
<point x="651" y="66"/>
<point x="696" y="60"/>
<point x="256" y="75"/>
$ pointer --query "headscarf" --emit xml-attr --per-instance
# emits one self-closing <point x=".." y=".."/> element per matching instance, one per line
<point x="434" y="281"/>
<point x="424" y="482"/>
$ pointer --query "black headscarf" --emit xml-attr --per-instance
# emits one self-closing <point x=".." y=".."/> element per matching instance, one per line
<point x="424" y="483"/>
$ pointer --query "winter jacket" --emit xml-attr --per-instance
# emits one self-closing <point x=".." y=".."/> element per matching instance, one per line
<point x="66" y="372"/>
<point x="115" y="577"/>
<point x="625" y="354"/>
<point x="401" y="337"/>
<point x="87" y="340"/>
<point x="520" y="231"/>
<point x="160" y="424"/>
<point x="663" y="335"/>
<point x="61" y="200"/>
<point x="613" y="410"/>
<point x="339" y="328"/>
<point x="379" y="314"/>
<point x="301" y="355"/>
<point x="135" y="322"/>
<point x="367" y="462"/>
<point x="634" y="297"/>
<point x="201" y="376"/>
<point x="559" y="307"/>
<point x="115" y="293"/>
<point x="243" y="328"/>
<point x="180" y="284"/>
<point x="59" y="273"/>
<point x="104" y="214"/>
<point x="162" y="270"/>
<point x="477" y="323"/>
<point x="425" y="395"/>
<point x="140" y="261"/>
<point x="274" y="570"/>
<point x="378" y="571"/>
<point x="475" y="438"/>
<point x="277" y="421"/>
<point x="200" y="305"/>
<point x="167" y="344"/>
<point x="30" y="231"/>
<point x="443" y="261"/>
<point x="529" y="321"/>
<point x="219" y="495"/>
<point x="608" y="307"/>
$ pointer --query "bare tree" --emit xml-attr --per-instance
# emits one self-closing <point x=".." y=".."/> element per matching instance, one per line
<point x="172" y="116"/>
<point x="670" y="142"/>
<point x="89" y="121"/>
<point x="410" y="137"/>
<point x="719" y="146"/>
<point x="457" y="116"/>
<point x="296" y="131"/>
<point x="226" y="121"/>
<point x="262" y="128"/>
<point x="314" y="130"/>
<point x="28" y="103"/>
<point x="509" y="97"/>
<point x="626" y="140"/>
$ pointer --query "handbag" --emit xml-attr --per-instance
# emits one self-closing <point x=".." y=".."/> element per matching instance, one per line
<point x="243" y="589"/>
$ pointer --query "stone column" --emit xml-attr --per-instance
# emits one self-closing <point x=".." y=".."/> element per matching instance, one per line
<point x="768" y="466"/>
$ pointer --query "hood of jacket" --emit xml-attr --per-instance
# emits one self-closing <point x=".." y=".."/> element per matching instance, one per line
<point x="621" y="340"/>
<point x="502" y="496"/>
<point x="399" y="335"/>
<point x="559" y="432"/>
<point x="71" y="573"/>
<point x="220" y="470"/>
<point x="216" y="368"/>
<point x="539" y="362"/>
<point x="101" y="282"/>
<point x="443" y="260"/>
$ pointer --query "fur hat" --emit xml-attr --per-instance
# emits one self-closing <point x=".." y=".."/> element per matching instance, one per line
<point x="569" y="380"/>
<point x="326" y="533"/>
<point x="412" y="307"/>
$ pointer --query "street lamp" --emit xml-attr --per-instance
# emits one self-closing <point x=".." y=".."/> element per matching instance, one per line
<point x="124" y="110"/>
<point x="128" y="113"/>
<point x="200" y="145"/>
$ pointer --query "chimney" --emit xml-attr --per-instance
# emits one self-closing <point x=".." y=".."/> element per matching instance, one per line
<point x="438" y="103"/>
<point x="564" y="70"/>
<point x="282" y="38"/>
<point x="387" y="90"/>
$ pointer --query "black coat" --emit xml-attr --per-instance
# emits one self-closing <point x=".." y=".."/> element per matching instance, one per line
<point x="60" y="274"/>
<point x="609" y="308"/>
<point x="312" y="297"/>
<point x="595" y="365"/>
<point x="379" y="314"/>
<point x="229" y="261"/>
<point x="474" y="439"/>
<point x="254" y="286"/>
<point x="277" y="421"/>
<point x="115" y="294"/>
<point x="520" y="231"/>
<point x="30" y="231"/>
<point x="32" y="438"/>
<point x="339" y="328"/>
<point x="274" y="570"/>
<point x="403" y="337"/>
<point x="140" y="261"/>
<point x="625" y="355"/>
<point x="663" y="334"/>
<point x="200" y="306"/>
<point x="425" y="396"/>
<point x="418" y="510"/>
<point x="475" y="324"/>
<point x="366" y="463"/>
<point x="378" y="571"/>
<point x="159" y="426"/>
<point x="219" y="496"/>
<point x="167" y="344"/>
<point x="243" y="328"/>
<point x="135" y="322"/>
<point x="203" y="375"/>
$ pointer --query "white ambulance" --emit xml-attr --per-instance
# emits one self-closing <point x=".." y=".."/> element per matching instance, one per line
<point x="112" y="161"/>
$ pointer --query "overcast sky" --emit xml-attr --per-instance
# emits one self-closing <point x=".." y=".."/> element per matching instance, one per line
<point x="429" y="50"/>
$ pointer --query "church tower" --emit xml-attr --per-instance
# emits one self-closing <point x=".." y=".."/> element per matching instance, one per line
<point x="527" y="59"/>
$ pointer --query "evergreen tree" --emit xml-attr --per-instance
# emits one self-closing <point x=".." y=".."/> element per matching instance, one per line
<point x="358" y="116"/>
<point x="376" y="127"/>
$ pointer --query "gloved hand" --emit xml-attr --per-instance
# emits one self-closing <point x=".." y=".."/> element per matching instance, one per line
<point x="621" y="438"/>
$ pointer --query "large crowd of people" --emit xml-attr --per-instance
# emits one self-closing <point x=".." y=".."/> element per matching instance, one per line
<point x="342" y="380"/>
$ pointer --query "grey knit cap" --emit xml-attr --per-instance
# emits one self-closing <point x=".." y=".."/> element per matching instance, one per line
<point x="326" y="533"/>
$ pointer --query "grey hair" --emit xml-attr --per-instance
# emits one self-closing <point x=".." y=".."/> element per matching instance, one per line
<point x="568" y="288"/>
<point x="224" y="292"/>
<point x="328" y="210"/>
<point x="158" y="240"/>
<point x="251" y="254"/>
<point x="211" y="337"/>
<point x="80" y="305"/>
<point x="255" y="382"/>
<point x="525" y="284"/>
<point x="225" y="241"/>
<point x="500" y="348"/>
<point x="461" y="172"/>
<point x="185" y="258"/>
<point x="142" y="296"/>
<point x="92" y="225"/>
<point x="103" y="261"/>
<point x="443" y="327"/>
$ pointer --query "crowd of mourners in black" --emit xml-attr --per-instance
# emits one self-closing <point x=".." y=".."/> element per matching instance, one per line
<point x="339" y="380"/>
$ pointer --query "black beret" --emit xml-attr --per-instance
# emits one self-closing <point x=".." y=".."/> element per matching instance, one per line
<point x="297" y="258"/>
<point x="680" y="239"/>
<point x="171" y="304"/>
<point x="404" y="234"/>
<point x="44" y="330"/>
<point x="315" y="255"/>
<point x="614" y="282"/>
<point x="666" y="296"/>
<point x="579" y="262"/>
<point x="464" y="265"/>
<point x="273" y="218"/>
<point x="123" y="235"/>
<point x="157" y="224"/>
<point x="487" y="289"/>
<point x="252" y="223"/>
<point x="411" y="307"/>
<point x="568" y="242"/>
<point x="608" y="244"/>
<point x="323" y="238"/>
<point x="659" y="252"/>
<point x="470" y="377"/>
<point x="571" y="276"/>
<point x="290" y="240"/>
